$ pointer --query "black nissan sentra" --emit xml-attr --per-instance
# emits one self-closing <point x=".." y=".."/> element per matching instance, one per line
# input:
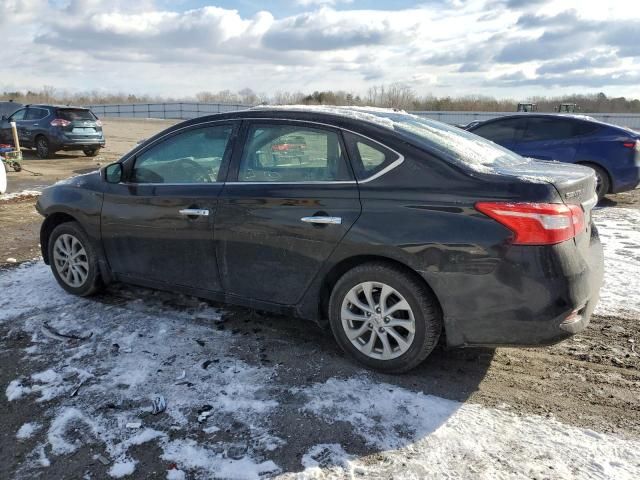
<point x="390" y="228"/>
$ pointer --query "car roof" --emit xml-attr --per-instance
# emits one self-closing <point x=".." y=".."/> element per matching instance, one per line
<point x="344" y="117"/>
<point x="56" y="106"/>
<point x="545" y="115"/>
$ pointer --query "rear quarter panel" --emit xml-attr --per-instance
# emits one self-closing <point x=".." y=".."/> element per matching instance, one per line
<point x="606" y="150"/>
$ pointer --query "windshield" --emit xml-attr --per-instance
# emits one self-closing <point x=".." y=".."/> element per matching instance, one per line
<point x="458" y="145"/>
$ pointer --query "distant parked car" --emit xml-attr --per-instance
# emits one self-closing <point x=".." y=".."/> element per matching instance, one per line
<point x="612" y="151"/>
<point x="50" y="128"/>
<point x="393" y="229"/>
<point x="7" y="108"/>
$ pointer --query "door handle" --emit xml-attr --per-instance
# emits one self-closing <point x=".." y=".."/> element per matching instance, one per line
<point x="194" y="212"/>
<point x="321" y="220"/>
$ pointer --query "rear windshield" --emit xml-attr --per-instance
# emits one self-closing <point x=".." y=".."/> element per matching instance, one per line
<point x="458" y="145"/>
<point x="73" y="114"/>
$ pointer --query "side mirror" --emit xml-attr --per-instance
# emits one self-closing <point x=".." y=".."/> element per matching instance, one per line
<point x="4" y="118"/>
<point x="113" y="173"/>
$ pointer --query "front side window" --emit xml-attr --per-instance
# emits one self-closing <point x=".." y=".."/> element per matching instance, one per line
<point x="19" y="115"/>
<point x="193" y="156"/>
<point x="288" y="153"/>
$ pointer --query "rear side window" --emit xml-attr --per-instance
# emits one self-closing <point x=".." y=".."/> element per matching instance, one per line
<point x="73" y="114"/>
<point x="368" y="157"/>
<point x="36" y="114"/>
<point x="585" y="128"/>
<point x="287" y="153"/>
<point x="501" y="131"/>
<point x="541" y="129"/>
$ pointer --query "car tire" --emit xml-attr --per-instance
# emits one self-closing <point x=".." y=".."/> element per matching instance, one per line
<point x="80" y="274"/>
<point x="91" y="152"/>
<point x="403" y="349"/>
<point x="603" y="182"/>
<point x="43" y="149"/>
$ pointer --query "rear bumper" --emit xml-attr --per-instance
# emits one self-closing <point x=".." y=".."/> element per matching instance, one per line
<point x="626" y="179"/>
<point x="526" y="299"/>
<point x="62" y="142"/>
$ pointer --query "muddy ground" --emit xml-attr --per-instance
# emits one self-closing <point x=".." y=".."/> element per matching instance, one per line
<point x="591" y="380"/>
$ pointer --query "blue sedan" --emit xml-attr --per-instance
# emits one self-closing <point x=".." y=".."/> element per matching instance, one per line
<point x="612" y="151"/>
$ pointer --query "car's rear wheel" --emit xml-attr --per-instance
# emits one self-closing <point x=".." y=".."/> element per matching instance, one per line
<point x="43" y="149"/>
<point x="603" y="182"/>
<point x="384" y="318"/>
<point x="91" y="152"/>
<point x="73" y="260"/>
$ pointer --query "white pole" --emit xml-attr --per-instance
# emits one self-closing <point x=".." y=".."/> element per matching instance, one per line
<point x="16" y="140"/>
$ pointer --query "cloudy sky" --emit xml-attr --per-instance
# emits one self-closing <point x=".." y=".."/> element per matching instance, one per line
<point x="505" y="48"/>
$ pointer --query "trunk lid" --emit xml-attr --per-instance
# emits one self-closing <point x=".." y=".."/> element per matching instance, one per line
<point x="575" y="184"/>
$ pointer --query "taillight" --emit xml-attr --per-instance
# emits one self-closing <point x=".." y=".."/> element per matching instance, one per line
<point x="60" y="122"/>
<point x="631" y="144"/>
<point x="537" y="223"/>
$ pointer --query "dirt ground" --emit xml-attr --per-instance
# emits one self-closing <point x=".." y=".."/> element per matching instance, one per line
<point x="590" y="381"/>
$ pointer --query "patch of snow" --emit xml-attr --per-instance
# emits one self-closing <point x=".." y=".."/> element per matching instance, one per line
<point x="70" y="423"/>
<point x="175" y="474"/>
<point x="619" y="230"/>
<point x="15" y="390"/>
<point x="366" y="114"/>
<point x="190" y="455"/>
<point x="122" y="469"/>
<point x="27" y="430"/>
<point x="20" y="195"/>
<point x="43" y="461"/>
<point x="424" y="436"/>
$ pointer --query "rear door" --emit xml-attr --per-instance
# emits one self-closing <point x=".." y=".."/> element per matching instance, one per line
<point x="33" y="123"/>
<point x="158" y="224"/>
<point x="548" y="138"/>
<point x="289" y="200"/>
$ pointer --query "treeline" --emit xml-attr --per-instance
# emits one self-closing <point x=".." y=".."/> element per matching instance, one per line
<point x="392" y="96"/>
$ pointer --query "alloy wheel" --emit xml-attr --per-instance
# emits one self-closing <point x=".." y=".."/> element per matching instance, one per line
<point x="71" y="261"/>
<point x="42" y="146"/>
<point x="378" y="320"/>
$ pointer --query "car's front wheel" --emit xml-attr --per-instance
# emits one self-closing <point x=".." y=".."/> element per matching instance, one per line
<point x="384" y="318"/>
<point x="73" y="260"/>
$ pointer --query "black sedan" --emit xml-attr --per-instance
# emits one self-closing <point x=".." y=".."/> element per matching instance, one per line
<point x="389" y="228"/>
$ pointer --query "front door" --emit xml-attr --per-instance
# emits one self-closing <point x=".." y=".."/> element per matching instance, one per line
<point x="158" y="224"/>
<point x="19" y="118"/>
<point x="289" y="200"/>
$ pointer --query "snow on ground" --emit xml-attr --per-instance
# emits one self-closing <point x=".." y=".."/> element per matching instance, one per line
<point x="619" y="230"/>
<point x="221" y="418"/>
<point x="19" y="195"/>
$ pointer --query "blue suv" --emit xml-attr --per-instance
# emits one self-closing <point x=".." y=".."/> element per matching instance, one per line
<point x="50" y="128"/>
<point x="612" y="151"/>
